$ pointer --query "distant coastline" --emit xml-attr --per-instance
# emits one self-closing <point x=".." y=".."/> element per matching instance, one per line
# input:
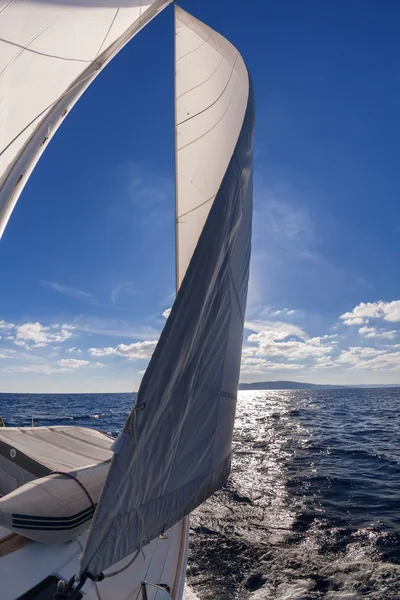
<point x="298" y="385"/>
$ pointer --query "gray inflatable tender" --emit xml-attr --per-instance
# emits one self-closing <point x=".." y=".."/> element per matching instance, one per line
<point x="57" y="508"/>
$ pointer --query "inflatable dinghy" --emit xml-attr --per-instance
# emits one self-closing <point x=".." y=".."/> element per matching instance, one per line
<point x="57" y="508"/>
<point x="51" y="480"/>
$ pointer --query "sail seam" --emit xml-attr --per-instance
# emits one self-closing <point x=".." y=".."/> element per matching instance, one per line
<point x="228" y="395"/>
<point x="31" y="41"/>
<point x="196" y="207"/>
<point x="215" y="101"/>
<point x="203" y="82"/>
<point x="211" y="128"/>
<point x="5" y="7"/>
<point x="45" y="110"/>
<point x="192" y="26"/>
<point x="194" y="50"/>
<point x="236" y="295"/>
<point x="27" y="49"/>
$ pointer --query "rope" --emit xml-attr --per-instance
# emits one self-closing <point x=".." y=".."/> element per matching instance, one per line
<point x="78" y="482"/>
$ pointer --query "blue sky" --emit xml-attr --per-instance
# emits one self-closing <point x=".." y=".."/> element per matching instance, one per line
<point x="87" y="260"/>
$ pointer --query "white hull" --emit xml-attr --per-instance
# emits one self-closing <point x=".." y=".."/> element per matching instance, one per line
<point x="164" y="561"/>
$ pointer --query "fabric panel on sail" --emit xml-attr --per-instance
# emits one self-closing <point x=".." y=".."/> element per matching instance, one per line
<point x="49" y="53"/>
<point x="210" y="105"/>
<point x="176" y="447"/>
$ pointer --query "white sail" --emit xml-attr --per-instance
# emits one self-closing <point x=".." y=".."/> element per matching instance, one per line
<point x="211" y="101"/>
<point x="175" y="449"/>
<point x="50" y="51"/>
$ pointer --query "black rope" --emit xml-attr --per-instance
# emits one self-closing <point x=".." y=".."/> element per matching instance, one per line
<point x="77" y="481"/>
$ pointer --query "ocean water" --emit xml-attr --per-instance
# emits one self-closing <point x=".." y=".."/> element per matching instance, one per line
<point x="312" y="508"/>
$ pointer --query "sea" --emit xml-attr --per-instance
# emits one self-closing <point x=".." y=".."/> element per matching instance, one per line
<point x="312" y="507"/>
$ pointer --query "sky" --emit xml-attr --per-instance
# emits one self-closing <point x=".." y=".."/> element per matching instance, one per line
<point x="87" y="259"/>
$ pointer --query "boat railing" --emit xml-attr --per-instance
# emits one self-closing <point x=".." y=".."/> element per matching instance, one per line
<point x="152" y="591"/>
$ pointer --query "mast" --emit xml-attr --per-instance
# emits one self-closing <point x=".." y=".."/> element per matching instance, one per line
<point x="176" y="164"/>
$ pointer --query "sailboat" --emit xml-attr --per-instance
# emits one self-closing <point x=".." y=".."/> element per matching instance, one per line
<point x="83" y="515"/>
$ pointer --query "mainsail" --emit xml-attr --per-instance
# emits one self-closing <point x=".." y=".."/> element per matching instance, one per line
<point x="175" y="449"/>
<point x="50" y="51"/>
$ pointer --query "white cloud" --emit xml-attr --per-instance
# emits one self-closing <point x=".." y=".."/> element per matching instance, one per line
<point x="22" y="344"/>
<point x="373" y="332"/>
<point x="359" y="357"/>
<point x="65" y="365"/>
<point x="135" y="351"/>
<point x="121" y="289"/>
<point x="357" y="354"/>
<point x="72" y="363"/>
<point x="114" y="328"/>
<point x="74" y="349"/>
<point x="102" y="351"/>
<point x="277" y="327"/>
<point x="259" y="366"/>
<point x="285" y="340"/>
<point x="166" y="313"/>
<point x="7" y="353"/>
<point x="6" y="326"/>
<point x="277" y="346"/>
<point x="68" y="291"/>
<point x="284" y="312"/>
<point x="363" y="312"/>
<point x="39" y="335"/>
<point x="324" y="362"/>
<point x="353" y="320"/>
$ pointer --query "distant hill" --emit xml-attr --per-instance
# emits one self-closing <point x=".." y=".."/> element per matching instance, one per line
<point x="297" y="385"/>
<point x="283" y="385"/>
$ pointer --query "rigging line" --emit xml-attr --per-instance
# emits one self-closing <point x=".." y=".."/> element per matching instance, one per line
<point x="94" y="582"/>
<point x="47" y="108"/>
<point x="108" y="31"/>
<point x="78" y="482"/>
